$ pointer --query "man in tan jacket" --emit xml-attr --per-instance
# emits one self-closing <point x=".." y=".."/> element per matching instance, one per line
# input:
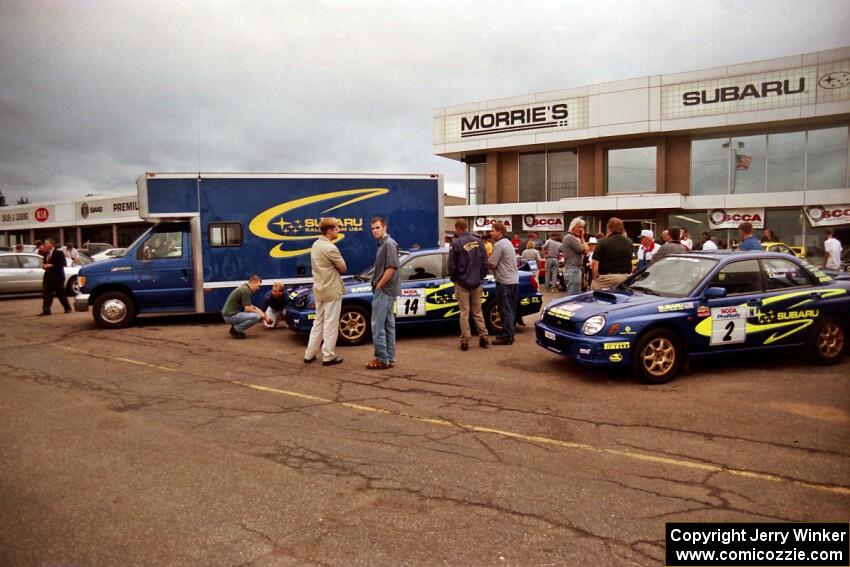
<point x="328" y="290"/>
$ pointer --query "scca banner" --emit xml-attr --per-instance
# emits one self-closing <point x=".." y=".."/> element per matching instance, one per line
<point x="543" y="222"/>
<point x="486" y="223"/>
<point x="828" y="215"/>
<point x="732" y="218"/>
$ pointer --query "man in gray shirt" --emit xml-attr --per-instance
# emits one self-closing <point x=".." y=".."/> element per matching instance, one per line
<point x="672" y="247"/>
<point x="386" y="286"/>
<point x="503" y="266"/>
<point x="551" y="251"/>
<point x="574" y="249"/>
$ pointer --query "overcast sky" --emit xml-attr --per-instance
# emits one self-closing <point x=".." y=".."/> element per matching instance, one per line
<point x="94" y="93"/>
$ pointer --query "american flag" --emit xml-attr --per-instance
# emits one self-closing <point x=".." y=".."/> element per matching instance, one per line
<point x="743" y="162"/>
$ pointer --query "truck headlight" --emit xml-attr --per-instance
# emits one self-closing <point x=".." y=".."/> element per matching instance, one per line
<point x="593" y="325"/>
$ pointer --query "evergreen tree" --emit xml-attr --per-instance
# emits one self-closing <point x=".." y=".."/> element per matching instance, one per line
<point x="2" y="199"/>
<point x="23" y="200"/>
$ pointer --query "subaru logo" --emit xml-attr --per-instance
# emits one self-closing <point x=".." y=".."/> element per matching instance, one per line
<point x="834" y="80"/>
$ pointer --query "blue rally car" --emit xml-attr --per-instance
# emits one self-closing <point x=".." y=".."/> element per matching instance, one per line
<point x="702" y="304"/>
<point x="427" y="297"/>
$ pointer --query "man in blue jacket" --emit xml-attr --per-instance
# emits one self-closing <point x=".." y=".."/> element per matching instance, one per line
<point x="467" y="269"/>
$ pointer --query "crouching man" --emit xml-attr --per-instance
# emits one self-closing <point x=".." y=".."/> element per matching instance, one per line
<point x="238" y="311"/>
<point x="273" y="303"/>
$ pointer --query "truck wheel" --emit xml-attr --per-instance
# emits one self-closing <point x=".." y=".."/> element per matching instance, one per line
<point x="827" y="342"/>
<point x="355" y="326"/>
<point x="657" y="357"/>
<point x="114" y="310"/>
<point x="73" y="287"/>
<point x="493" y="319"/>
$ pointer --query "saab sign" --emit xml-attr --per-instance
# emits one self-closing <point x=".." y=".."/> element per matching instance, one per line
<point x="543" y="222"/>
<point x="828" y="215"/>
<point x="732" y="218"/>
<point x="486" y="223"/>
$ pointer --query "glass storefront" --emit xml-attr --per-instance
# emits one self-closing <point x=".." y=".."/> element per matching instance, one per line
<point x="532" y="177"/>
<point x="783" y="161"/>
<point x="563" y="178"/>
<point x="477" y="190"/>
<point x="632" y="170"/>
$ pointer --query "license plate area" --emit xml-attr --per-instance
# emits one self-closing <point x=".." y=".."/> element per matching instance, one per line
<point x="549" y="335"/>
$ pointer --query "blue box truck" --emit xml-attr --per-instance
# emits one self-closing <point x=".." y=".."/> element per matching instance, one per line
<point x="210" y="232"/>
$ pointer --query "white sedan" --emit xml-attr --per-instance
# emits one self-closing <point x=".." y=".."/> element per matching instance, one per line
<point x="109" y="254"/>
<point x="22" y="273"/>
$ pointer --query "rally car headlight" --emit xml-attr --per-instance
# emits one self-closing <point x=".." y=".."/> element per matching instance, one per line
<point x="593" y="325"/>
<point x="302" y="301"/>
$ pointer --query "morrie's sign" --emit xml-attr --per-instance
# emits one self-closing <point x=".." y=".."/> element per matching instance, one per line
<point x="732" y="218"/>
<point x="828" y="215"/>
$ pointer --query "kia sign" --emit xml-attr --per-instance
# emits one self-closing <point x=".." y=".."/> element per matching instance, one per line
<point x="732" y="218"/>
<point x="42" y="214"/>
<point x="486" y="223"/>
<point x="828" y="215"/>
<point x="543" y="222"/>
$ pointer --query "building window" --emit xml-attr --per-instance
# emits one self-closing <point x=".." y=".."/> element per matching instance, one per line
<point x="786" y="160"/>
<point x="477" y="174"/>
<point x="826" y="166"/>
<point x="225" y="234"/>
<point x="710" y="166"/>
<point x="748" y="164"/>
<point x="562" y="171"/>
<point x="632" y="170"/>
<point x="532" y="177"/>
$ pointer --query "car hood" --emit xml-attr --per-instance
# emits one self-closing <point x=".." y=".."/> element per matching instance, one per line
<point x="353" y="284"/>
<point x="604" y="302"/>
<point x="102" y="266"/>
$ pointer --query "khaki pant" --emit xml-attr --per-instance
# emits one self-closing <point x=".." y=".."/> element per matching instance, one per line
<point x="325" y="330"/>
<point x="470" y="299"/>
<point x="608" y="281"/>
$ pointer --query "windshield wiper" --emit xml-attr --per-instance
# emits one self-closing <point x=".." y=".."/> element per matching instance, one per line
<point x="645" y="290"/>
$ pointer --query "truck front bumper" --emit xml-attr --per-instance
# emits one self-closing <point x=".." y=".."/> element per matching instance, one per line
<point x="81" y="303"/>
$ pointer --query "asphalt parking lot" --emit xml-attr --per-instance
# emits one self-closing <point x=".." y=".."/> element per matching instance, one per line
<point x="168" y="443"/>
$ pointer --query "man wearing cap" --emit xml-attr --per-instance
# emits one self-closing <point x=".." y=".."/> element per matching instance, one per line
<point x="647" y="249"/>
<point x="588" y="263"/>
<point x="574" y="248"/>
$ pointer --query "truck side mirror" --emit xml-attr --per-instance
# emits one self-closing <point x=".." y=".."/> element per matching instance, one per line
<point x="715" y="292"/>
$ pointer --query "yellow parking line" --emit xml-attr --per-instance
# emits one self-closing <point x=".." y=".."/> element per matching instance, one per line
<point x="681" y="463"/>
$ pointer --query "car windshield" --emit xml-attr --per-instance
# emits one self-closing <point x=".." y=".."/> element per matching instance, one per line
<point x="366" y="275"/>
<point x="673" y="276"/>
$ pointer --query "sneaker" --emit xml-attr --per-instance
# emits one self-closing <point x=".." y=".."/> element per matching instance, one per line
<point x="337" y="360"/>
<point x="503" y="341"/>
<point x="483" y="342"/>
<point x="464" y="345"/>
<point x="309" y="360"/>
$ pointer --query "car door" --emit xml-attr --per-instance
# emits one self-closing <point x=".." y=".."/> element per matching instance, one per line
<point x="10" y="273"/>
<point x="165" y="270"/>
<point x="728" y="325"/>
<point x="426" y="294"/>
<point x="31" y="273"/>
<point x="790" y="303"/>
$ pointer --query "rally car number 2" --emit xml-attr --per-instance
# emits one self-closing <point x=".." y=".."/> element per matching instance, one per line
<point x="728" y="325"/>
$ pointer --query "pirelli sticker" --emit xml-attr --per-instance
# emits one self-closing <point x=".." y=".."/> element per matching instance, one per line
<point x="622" y="345"/>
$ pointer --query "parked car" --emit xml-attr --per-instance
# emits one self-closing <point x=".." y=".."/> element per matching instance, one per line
<point x="22" y="273"/>
<point x="427" y="298"/>
<point x="109" y="254"/>
<point x="702" y="304"/>
<point x="782" y="248"/>
<point x="93" y="248"/>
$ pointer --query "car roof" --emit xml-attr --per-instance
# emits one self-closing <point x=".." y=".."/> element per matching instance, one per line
<point x="732" y="255"/>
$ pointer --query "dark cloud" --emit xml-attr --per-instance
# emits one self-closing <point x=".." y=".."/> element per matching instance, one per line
<point x="94" y="93"/>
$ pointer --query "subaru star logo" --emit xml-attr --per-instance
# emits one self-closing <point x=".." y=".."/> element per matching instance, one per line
<point x="834" y="80"/>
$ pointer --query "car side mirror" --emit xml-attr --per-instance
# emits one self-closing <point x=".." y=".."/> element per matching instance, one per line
<point x="715" y="292"/>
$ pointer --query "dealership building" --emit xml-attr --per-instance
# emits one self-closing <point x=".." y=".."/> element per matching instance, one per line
<point x="113" y="220"/>
<point x="764" y="141"/>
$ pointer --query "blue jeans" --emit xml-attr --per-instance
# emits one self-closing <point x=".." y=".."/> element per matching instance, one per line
<point x="383" y="326"/>
<point x="551" y="274"/>
<point x="242" y="321"/>
<point x="506" y="295"/>
<point x="572" y="278"/>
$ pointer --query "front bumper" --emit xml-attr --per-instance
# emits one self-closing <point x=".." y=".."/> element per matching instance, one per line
<point x="81" y="303"/>
<point x="597" y="349"/>
<point x="300" y="321"/>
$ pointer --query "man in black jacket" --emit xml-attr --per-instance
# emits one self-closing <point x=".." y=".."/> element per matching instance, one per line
<point x="467" y="268"/>
<point x="54" y="278"/>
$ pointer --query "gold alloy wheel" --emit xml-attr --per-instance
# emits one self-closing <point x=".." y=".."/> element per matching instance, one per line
<point x="352" y="325"/>
<point x="495" y="318"/>
<point x="830" y="340"/>
<point x="659" y="356"/>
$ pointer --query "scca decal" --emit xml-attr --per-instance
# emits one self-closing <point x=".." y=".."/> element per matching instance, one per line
<point x="259" y="225"/>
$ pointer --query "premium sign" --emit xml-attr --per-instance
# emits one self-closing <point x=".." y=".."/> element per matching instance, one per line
<point x="732" y="218"/>
<point x="104" y="209"/>
<point x="558" y="114"/>
<point x="758" y="91"/>
<point x="543" y="222"/>
<point x="486" y="223"/>
<point x="828" y="215"/>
